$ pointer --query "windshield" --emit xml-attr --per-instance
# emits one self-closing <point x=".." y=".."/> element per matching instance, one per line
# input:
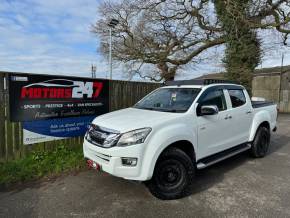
<point x="169" y="100"/>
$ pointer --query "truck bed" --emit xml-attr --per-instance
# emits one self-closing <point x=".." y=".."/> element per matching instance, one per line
<point x="258" y="104"/>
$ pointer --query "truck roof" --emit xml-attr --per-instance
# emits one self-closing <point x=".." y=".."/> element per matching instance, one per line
<point x="184" y="86"/>
<point x="200" y="83"/>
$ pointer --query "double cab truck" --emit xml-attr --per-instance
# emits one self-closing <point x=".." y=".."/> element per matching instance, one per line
<point x="176" y="130"/>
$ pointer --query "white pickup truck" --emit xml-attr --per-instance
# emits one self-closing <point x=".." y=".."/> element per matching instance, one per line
<point x="177" y="129"/>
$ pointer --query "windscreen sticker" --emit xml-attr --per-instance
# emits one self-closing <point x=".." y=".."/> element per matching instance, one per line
<point x="173" y="96"/>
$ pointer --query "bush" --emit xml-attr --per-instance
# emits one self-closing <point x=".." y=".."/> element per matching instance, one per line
<point x="41" y="163"/>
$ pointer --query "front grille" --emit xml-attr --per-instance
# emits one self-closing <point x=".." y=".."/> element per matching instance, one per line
<point x="98" y="135"/>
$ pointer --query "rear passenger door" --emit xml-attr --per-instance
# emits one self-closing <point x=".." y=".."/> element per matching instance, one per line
<point x="239" y="116"/>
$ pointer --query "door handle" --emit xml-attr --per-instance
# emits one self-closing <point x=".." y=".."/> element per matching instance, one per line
<point x="248" y="112"/>
<point x="228" y="117"/>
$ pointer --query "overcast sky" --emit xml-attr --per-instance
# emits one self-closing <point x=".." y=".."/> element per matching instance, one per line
<point x="53" y="36"/>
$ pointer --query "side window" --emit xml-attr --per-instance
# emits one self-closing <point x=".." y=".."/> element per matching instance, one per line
<point x="217" y="98"/>
<point x="237" y="97"/>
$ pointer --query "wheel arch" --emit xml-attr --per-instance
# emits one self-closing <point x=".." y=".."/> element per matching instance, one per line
<point x="178" y="135"/>
<point x="262" y="124"/>
<point x="260" y="119"/>
<point x="184" y="145"/>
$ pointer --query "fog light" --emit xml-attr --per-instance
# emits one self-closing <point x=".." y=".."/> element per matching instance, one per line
<point x="129" y="161"/>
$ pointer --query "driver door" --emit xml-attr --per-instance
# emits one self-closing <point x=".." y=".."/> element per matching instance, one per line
<point x="212" y="129"/>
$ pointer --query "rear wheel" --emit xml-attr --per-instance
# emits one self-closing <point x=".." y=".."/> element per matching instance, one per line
<point x="260" y="145"/>
<point x="173" y="175"/>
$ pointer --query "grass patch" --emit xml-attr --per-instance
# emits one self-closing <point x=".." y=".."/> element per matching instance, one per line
<point x="42" y="163"/>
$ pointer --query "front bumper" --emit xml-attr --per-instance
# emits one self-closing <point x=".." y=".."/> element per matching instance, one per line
<point x="111" y="162"/>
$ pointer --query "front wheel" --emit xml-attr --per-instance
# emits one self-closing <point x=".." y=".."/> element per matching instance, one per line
<point x="260" y="145"/>
<point x="173" y="175"/>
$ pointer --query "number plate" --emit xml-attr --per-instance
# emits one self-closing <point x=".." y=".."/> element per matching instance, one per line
<point x="93" y="165"/>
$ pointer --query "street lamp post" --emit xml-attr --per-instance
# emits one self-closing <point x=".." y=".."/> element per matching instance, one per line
<point x="110" y="55"/>
<point x="94" y="69"/>
<point x="111" y="25"/>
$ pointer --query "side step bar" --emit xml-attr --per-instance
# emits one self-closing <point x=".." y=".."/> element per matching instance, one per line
<point x="208" y="161"/>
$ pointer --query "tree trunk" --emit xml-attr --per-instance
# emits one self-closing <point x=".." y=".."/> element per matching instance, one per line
<point x="243" y="52"/>
<point x="167" y="73"/>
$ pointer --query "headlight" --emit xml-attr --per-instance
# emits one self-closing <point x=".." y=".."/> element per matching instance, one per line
<point x="134" y="137"/>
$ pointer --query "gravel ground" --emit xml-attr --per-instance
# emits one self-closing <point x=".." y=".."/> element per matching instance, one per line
<point x="237" y="187"/>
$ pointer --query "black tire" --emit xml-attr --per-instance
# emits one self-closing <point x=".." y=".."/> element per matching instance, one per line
<point x="173" y="175"/>
<point x="260" y="145"/>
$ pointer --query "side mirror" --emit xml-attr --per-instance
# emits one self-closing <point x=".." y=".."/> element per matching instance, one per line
<point x="209" y="110"/>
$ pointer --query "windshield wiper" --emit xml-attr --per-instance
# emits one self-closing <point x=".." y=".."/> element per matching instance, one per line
<point x="173" y="110"/>
<point x="145" y="108"/>
<point x="162" y="109"/>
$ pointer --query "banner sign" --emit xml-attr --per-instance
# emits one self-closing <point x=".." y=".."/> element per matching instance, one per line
<point x="55" y="129"/>
<point x="40" y="97"/>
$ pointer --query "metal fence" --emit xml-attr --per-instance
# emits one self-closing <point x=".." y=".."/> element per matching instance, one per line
<point x="122" y="94"/>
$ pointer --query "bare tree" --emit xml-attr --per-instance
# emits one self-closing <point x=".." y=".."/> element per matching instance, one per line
<point x="241" y="20"/>
<point x="172" y="33"/>
<point x="167" y="36"/>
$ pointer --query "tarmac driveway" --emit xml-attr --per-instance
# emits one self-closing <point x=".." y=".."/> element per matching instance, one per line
<point x="240" y="186"/>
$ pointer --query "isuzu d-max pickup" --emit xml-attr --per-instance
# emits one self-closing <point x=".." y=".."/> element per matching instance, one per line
<point x="177" y="129"/>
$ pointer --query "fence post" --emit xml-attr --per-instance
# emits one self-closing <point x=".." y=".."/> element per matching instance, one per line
<point x="2" y="117"/>
<point x="9" y="142"/>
